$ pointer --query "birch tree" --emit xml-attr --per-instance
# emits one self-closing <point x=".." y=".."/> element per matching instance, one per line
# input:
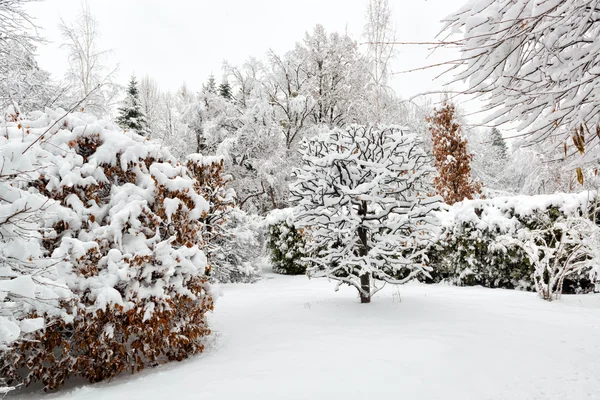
<point x="88" y="73"/>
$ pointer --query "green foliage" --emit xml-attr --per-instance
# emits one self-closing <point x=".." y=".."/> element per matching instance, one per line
<point x="225" y="90"/>
<point x="287" y="249"/>
<point x="473" y="257"/>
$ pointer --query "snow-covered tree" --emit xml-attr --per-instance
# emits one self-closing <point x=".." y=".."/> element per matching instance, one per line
<point x="225" y="89"/>
<point x="131" y="116"/>
<point x="454" y="181"/>
<point x="150" y="99"/>
<point x="240" y="248"/>
<point x="22" y="82"/>
<point x="491" y="161"/>
<point x="498" y="144"/>
<point x="211" y="85"/>
<point x="88" y="74"/>
<point x="363" y="203"/>
<point x="532" y="61"/>
<point x="287" y="88"/>
<point x="337" y="73"/>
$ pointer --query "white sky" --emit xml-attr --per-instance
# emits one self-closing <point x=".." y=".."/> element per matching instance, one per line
<point x="176" y="41"/>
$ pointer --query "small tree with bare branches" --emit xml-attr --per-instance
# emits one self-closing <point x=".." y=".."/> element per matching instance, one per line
<point x="364" y="206"/>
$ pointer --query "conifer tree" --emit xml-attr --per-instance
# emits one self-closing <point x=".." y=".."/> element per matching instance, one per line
<point x="225" y="90"/>
<point x="498" y="143"/>
<point x="211" y="85"/>
<point x="131" y="116"/>
<point x="452" y="160"/>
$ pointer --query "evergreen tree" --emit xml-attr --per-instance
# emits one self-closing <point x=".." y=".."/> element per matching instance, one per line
<point x="131" y="116"/>
<point x="452" y="160"/>
<point x="498" y="143"/>
<point x="211" y="85"/>
<point x="225" y="89"/>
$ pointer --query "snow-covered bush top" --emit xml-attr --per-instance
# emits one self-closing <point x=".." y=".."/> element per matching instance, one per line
<point x="506" y="214"/>
<point x="278" y="216"/>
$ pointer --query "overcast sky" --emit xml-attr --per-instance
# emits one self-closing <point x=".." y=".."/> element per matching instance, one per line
<point x="176" y="41"/>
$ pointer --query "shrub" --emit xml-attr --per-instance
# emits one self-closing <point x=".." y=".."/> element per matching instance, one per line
<point x="286" y="243"/>
<point x="126" y="240"/>
<point x="473" y="246"/>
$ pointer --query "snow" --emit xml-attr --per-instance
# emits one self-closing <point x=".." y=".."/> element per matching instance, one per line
<point x="9" y="331"/>
<point x="32" y="324"/>
<point x="291" y="338"/>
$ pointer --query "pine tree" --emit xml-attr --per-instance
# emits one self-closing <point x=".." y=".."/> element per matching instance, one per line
<point x="498" y="143"/>
<point x="225" y="90"/>
<point x="131" y="116"/>
<point x="452" y="160"/>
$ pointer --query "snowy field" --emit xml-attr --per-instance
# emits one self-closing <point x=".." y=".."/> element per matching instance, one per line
<point x="291" y="338"/>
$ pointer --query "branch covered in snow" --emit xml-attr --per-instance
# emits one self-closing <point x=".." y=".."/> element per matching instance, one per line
<point x="533" y="61"/>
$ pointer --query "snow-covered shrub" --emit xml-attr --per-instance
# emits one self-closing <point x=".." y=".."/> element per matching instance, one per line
<point x="557" y="250"/>
<point x="363" y="198"/>
<point x="30" y="284"/>
<point x="473" y="247"/>
<point x="287" y="245"/>
<point x="125" y="238"/>
<point x="239" y="249"/>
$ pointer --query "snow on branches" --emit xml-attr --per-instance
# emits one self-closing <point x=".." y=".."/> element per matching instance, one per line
<point x="534" y="61"/>
<point x="566" y="247"/>
<point x="123" y="233"/>
<point x="363" y="203"/>
<point x="452" y="161"/>
<point x="28" y="280"/>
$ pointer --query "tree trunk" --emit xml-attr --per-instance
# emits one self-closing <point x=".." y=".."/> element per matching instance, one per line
<point x="365" y="281"/>
<point x="365" y="285"/>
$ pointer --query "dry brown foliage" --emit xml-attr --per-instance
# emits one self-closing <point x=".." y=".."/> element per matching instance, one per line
<point x="452" y="160"/>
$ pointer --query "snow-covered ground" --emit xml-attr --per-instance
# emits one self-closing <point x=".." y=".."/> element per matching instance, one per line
<point x="290" y="338"/>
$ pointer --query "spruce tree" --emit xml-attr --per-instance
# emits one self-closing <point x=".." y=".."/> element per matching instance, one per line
<point x="498" y="143"/>
<point x="131" y="116"/>
<point x="211" y="85"/>
<point x="225" y="90"/>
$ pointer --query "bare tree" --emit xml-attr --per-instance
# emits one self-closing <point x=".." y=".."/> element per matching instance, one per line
<point x="87" y="68"/>
<point x="150" y="96"/>
<point x="287" y="87"/>
<point x="380" y="34"/>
